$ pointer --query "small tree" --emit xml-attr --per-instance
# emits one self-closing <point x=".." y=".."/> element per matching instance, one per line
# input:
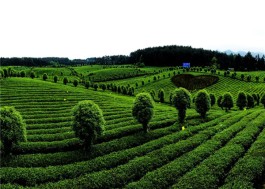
<point x="95" y="87"/>
<point x="142" y="109"/>
<point x="65" y="80"/>
<point x="250" y="101"/>
<point x="220" y="101"/>
<point x="242" y="77"/>
<point x="13" y="128"/>
<point x="32" y="75"/>
<point x="241" y="101"/>
<point x="228" y="102"/>
<point x="161" y="95"/>
<point x="213" y="99"/>
<point x="88" y="122"/>
<point x="181" y="100"/>
<point x="202" y="103"/>
<point x="103" y="87"/>
<point x="22" y="73"/>
<point x="75" y="83"/>
<point x="55" y="79"/>
<point x="44" y="76"/>
<point x="263" y="100"/>
<point x="87" y="84"/>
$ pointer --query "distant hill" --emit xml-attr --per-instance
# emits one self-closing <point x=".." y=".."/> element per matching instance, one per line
<point x="243" y="53"/>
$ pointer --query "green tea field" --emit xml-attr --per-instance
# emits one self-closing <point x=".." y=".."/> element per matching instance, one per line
<point x="225" y="149"/>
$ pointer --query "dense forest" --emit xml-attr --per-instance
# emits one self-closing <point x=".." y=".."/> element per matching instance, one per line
<point x="155" y="56"/>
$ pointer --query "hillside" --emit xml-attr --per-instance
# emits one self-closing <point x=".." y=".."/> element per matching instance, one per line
<point x="225" y="150"/>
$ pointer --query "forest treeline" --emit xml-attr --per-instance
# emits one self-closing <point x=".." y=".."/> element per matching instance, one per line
<point x="155" y="56"/>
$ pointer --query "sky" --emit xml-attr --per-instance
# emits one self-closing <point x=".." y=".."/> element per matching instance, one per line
<point x="94" y="28"/>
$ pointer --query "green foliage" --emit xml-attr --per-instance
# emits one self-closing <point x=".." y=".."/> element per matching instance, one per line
<point x="65" y="80"/>
<point x="213" y="99"/>
<point x="250" y="101"/>
<point x="13" y="128"/>
<point x="241" y="100"/>
<point x="55" y="79"/>
<point x="263" y="100"/>
<point x="227" y="101"/>
<point x="22" y="73"/>
<point x="75" y="83"/>
<point x="182" y="101"/>
<point x="32" y="74"/>
<point x="88" y="122"/>
<point x="202" y="103"/>
<point x="95" y="87"/>
<point x="87" y="84"/>
<point x="161" y="95"/>
<point x="45" y="77"/>
<point x="142" y="109"/>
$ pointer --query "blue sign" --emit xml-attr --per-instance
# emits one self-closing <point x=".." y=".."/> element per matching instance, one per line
<point x="186" y="65"/>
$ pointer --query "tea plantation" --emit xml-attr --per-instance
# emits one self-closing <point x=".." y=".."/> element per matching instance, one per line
<point x="224" y="150"/>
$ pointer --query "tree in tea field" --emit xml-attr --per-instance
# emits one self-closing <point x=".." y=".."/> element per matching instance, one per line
<point x="5" y="73"/>
<point x="182" y="101"/>
<point x="202" y="103"/>
<point x="220" y="101"/>
<point x="13" y="128"/>
<point x="228" y="101"/>
<point x="65" y="80"/>
<point x="103" y="87"/>
<point x="251" y="102"/>
<point x="75" y="83"/>
<point x="55" y="79"/>
<point x="88" y="122"/>
<point x="213" y="99"/>
<point x="142" y="109"/>
<point x="22" y="73"/>
<point x="241" y="101"/>
<point x="161" y="95"/>
<point x="32" y="75"/>
<point x="242" y="77"/>
<point x="44" y="76"/>
<point x="95" y="86"/>
<point x="262" y="100"/>
<point x="87" y="84"/>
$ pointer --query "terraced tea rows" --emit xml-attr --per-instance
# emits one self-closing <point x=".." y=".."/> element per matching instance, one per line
<point x="125" y="157"/>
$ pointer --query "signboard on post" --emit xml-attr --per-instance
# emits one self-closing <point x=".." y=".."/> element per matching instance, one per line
<point x="186" y="65"/>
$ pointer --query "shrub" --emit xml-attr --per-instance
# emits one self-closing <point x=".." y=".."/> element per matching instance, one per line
<point x="75" y="83"/>
<point x="44" y="76"/>
<point x="220" y="101"/>
<point x="241" y="100"/>
<point x="5" y="73"/>
<point x="142" y="109"/>
<point x="228" y="102"/>
<point x="263" y="100"/>
<point x="22" y="74"/>
<point x="95" y="87"/>
<point x="32" y="75"/>
<point x="213" y="99"/>
<point x="13" y="128"/>
<point x="161" y="95"/>
<point x="88" y="122"/>
<point x="103" y="87"/>
<point x="202" y="103"/>
<point x="250" y="101"/>
<point x="65" y="80"/>
<point x="55" y="79"/>
<point x="181" y="100"/>
<point x="87" y="84"/>
<point x="242" y="77"/>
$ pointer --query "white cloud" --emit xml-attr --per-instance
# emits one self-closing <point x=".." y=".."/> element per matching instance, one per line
<point x="84" y="28"/>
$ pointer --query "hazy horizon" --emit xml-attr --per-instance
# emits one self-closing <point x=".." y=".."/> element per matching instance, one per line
<point x="82" y="29"/>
